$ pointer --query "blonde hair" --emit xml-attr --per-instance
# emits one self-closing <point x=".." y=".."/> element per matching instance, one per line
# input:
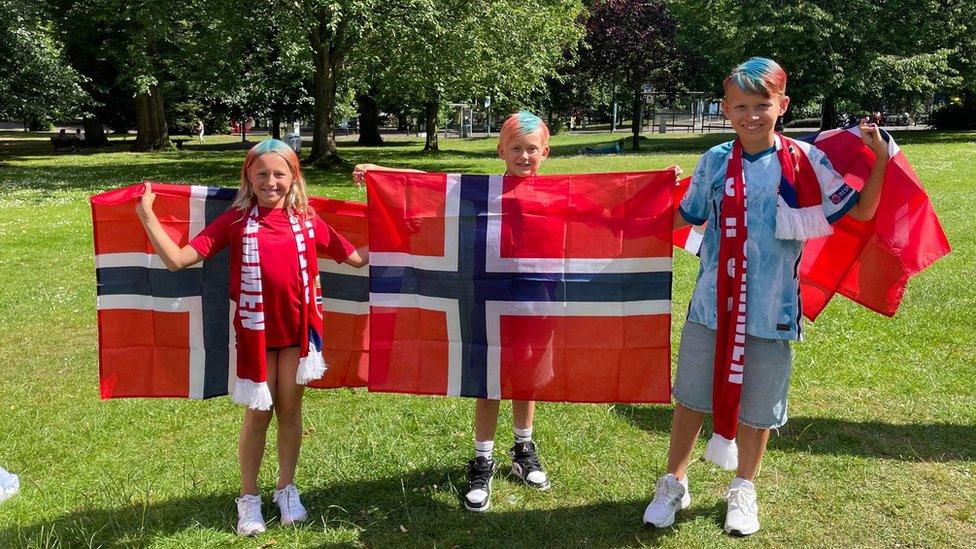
<point x="296" y="199"/>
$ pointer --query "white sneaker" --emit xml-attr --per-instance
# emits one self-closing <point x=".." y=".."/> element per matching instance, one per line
<point x="670" y="496"/>
<point x="290" y="505"/>
<point x="742" y="516"/>
<point x="249" y="519"/>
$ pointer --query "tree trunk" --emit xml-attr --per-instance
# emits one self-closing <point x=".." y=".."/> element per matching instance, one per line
<point x="94" y="132"/>
<point x="431" y="108"/>
<point x="638" y="122"/>
<point x="324" y="152"/>
<point x="275" y="127"/>
<point x="369" y="120"/>
<point x="828" y="113"/>
<point x="151" y="131"/>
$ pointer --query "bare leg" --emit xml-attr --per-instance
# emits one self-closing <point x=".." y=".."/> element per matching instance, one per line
<point x="685" y="426"/>
<point x="485" y="419"/>
<point x="752" y="446"/>
<point x="523" y="412"/>
<point x="254" y="433"/>
<point x="288" y="406"/>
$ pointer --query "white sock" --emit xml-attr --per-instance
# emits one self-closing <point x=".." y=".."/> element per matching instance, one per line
<point x="483" y="448"/>
<point x="522" y="435"/>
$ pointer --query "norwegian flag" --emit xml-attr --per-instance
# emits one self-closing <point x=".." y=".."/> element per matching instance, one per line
<point x="547" y="288"/>
<point x="165" y="334"/>
<point x="869" y="262"/>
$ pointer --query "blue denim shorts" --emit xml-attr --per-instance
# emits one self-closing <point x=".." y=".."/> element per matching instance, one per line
<point x="765" y="378"/>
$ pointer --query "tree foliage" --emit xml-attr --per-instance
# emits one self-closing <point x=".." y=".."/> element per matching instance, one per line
<point x="36" y="82"/>
<point x="633" y="41"/>
<point x="437" y="51"/>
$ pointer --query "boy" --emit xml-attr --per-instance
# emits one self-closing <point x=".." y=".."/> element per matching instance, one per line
<point x="792" y="194"/>
<point x="524" y="145"/>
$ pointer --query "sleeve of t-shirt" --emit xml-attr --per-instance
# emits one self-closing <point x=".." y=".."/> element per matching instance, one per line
<point x="331" y="243"/>
<point x="838" y="196"/>
<point x="695" y="204"/>
<point x="216" y="235"/>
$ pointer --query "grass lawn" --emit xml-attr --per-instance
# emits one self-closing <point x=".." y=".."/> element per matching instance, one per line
<point x="880" y="450"/>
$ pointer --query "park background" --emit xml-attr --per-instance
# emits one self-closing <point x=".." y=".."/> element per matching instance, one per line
<point x="880" y="448"/>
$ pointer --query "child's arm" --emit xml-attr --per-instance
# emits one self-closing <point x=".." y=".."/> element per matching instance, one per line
<point x="173" y="256"/>
<point x="870" y="195"/>
<point x="359" y="172"/>
<point x="358" y="258"/>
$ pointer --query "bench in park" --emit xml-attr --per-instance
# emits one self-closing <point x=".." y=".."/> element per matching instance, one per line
<point x="179" y="142"/>
<point x="61" y="143"/>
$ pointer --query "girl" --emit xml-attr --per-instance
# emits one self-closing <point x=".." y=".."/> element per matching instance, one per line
<point x="524" y="145"/>
<point x="273" y="236"/>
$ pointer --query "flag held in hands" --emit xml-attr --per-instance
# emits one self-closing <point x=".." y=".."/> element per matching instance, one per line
<point x="868" y="262"/>
<point x="547" y="288"/>
<point x="166" y="334"/>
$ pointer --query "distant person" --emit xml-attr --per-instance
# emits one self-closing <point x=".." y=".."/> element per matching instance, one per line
<point x="294" y="141"/>
<point x="876" y="118"/>
<point x="79" y="137"/>
<point x="200" y="130"/>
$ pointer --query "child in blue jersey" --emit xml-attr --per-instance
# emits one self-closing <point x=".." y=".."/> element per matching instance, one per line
<point x="755" y="96"/>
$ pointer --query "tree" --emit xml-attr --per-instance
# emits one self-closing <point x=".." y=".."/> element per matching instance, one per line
<point x="857" y="52"/>
<point x="259" y="64"/>
<point x="36" y="82"/>
<point x="633" y="40"/>
<point x="438" y="50"/>
<point x="146" y="41"/>
<point x="334" y="28"/>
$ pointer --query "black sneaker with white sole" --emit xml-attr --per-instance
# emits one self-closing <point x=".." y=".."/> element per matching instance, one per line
<point x="526" y="465"/>
<point x="480" y="472"/>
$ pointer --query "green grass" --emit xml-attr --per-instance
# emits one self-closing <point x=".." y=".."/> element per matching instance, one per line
<point x="879" y="450"/>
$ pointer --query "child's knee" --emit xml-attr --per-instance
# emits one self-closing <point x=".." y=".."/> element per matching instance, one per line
<point x="257" y="419"/>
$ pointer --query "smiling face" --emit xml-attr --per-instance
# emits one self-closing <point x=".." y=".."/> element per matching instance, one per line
<point x="523" y="154"/>
<point x="270" y="179"/>
<point x="753" y="116"/>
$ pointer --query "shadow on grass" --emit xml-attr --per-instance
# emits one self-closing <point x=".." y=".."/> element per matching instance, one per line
<point x="915" y="442"/>
<point x="419" y="508"/>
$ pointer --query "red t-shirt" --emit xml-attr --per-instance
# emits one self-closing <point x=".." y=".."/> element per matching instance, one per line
<point x="281" y="281"/>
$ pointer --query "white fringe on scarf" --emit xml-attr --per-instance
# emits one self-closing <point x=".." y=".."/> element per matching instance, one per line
<point x="9" y="484"/>
<point x="722" y="452"/>
<point x="800" y="223"/>
<point x="311" y="367"/>
<point x="255" y="396"/>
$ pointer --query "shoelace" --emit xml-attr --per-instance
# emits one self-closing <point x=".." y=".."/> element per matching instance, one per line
<point x="252" y="511"/>
<point x="742" y="500"/>
<point x="661" y="492"/>
<point x="528" y="458"/>
<point x="478" y="476"/>
<point x="290" y="496"/>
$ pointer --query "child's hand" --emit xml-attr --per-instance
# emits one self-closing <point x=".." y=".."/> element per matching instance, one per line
<point x="677" y="170"/>
<point x="145" y="206"/>
<point x="359" y="174"/>
<point x="871" y="136"/>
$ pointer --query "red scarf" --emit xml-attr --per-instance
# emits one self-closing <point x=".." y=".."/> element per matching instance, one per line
<point x="799" y="216"/>
<point x="251" y="387"/>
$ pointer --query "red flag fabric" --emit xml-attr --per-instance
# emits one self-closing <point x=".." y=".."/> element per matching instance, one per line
<point x="545" y="288"/>
<point x="164" y="334"/>
<point x="867" y="262"/>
